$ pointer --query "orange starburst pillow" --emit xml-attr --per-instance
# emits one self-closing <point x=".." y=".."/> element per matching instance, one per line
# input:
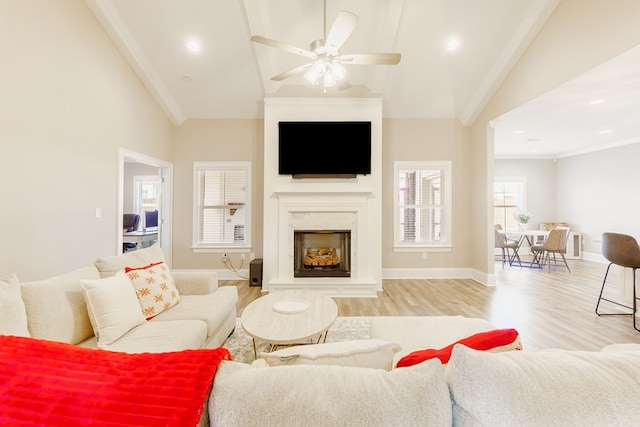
<point x="155" y="288"/>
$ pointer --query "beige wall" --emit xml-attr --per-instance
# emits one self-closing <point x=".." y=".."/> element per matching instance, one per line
<point x="427" y="139"/>
<point x="578" y="36"/>
<point x="213" y="140"/>
<point x="68" y="102"/>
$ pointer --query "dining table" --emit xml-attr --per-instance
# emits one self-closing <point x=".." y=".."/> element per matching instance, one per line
<point x="530" y="236"/>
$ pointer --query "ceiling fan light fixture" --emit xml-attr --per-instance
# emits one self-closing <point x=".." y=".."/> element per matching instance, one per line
<point x="316" y="71"/>
<point x="337" y="71"/>
<point x="328" y="80"/>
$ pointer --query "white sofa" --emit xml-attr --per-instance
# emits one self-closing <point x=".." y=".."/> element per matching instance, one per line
<point x="475" y="388"/>
<point x="56" y="308"/>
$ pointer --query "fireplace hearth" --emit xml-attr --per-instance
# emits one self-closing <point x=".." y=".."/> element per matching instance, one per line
<point x="322" y="253"/>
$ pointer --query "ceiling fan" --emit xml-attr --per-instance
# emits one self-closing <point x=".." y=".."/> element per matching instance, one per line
<point x="326" y="61"/>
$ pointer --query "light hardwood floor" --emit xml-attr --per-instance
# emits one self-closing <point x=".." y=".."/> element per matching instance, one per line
<point x="549" y="310"/>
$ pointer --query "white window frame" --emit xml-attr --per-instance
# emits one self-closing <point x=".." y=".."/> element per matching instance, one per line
<point x="444" y="245"/>
<point x="522" y="196"/>
<point x="202" y="247"/>
<point x="138" y="205"/>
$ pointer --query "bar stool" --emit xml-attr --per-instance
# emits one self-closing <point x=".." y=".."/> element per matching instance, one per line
<point x="622" y="250"/>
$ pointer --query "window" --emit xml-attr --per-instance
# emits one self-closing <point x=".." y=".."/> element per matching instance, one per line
<point x="422" y="206"/>
<point x="508" y="197"/>
<point x="222" y="216"/>
<point x="146" y="197"/>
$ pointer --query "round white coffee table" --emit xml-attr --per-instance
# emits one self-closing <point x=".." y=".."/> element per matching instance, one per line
<point x="289" y="317"/>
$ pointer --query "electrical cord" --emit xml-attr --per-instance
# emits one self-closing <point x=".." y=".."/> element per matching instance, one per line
<point x="229" y="265"/>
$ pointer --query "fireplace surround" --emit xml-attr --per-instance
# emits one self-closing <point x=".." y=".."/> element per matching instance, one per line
<point x="352" y="205"/>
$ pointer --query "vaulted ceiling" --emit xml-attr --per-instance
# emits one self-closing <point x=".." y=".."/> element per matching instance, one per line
<point x="230" y="75"/>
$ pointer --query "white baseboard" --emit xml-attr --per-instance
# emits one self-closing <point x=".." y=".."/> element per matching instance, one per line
<point x="439" y="273"/>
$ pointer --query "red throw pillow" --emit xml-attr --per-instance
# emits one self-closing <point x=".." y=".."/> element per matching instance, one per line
<point x="496" y="340"/>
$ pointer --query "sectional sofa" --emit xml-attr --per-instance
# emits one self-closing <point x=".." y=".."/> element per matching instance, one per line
<point x="57" y="308"/>
<point x="335" y="384"/>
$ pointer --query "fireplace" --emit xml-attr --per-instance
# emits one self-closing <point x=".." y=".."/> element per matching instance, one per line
<point x="322" y="204"/>
<point x="322" y="253"/>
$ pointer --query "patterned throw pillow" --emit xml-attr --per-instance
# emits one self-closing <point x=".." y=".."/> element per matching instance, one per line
<point x="495" y="341"/>
<point x="155" y="288"/>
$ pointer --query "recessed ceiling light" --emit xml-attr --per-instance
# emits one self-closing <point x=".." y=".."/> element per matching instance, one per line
<point x="452" y="44"/>
<point x="518" y="132"/>
<point x="604" y="131"/>
<point x="194" y="45"/>
<point x="597" y="101"/>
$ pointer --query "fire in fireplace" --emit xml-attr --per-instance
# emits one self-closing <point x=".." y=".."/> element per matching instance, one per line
<point x="322" y="253"/>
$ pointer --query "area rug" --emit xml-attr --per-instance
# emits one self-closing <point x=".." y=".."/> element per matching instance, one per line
<point x="343" y="329"/>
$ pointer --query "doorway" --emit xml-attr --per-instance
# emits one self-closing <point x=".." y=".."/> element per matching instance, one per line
<point x="141" y="179"/>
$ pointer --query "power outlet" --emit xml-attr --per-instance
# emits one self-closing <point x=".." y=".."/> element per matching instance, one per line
<point x="225" y="258"/>
<point x="242" y="257"/>
<point x="424" y="255"/>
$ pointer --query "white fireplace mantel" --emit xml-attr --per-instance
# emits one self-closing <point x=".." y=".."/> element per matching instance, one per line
<point x="353" y="204"/>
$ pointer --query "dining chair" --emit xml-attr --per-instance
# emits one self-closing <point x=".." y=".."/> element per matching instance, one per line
<point x="622" y="250"/>
<point x="505" y="245"/>
<point x="555" y="243"/>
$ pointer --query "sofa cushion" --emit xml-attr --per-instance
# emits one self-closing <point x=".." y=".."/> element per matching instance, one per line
<point x="415" y="332"/>
<point x="154" y="287"/>
<point x="211" y="308"/>
<point x="496" y="340"/>
<point x="314" y="395"/>
<point x="110" y="265"/>
<point x="13" y="315"/>
<point x="367" y="353"/>
<point x="113" y="307"/>
<point x="554" y="388"/>
<point x="159" y="337"/>
<point x="56" y="309"/>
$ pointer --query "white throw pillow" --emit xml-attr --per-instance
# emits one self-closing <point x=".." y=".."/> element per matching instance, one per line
<point x="110" y="265"/>
<point x="113" y="307"/>
<point x="549" y="388"/>
<point x="312" y="395"/>
<point x="13" y="315"/>
<point x="369" y="353"/>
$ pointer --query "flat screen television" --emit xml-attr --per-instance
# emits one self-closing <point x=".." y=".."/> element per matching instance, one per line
<point x="310" y="149"/>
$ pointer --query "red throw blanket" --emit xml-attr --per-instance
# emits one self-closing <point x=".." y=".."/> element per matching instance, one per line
<point x="57" y="384"/>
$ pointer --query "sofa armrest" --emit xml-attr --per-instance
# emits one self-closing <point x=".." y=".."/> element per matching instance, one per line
<point x="195" y="282"/>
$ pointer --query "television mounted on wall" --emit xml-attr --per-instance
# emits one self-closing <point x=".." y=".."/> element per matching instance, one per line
<point x="324" y="149"/>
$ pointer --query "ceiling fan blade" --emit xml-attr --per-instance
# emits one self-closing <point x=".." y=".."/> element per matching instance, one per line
<point x="284" y="46"/>
<point x="371" y="58"/>
<point x="341" y="29"/>
<point x="291" y="72"/>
